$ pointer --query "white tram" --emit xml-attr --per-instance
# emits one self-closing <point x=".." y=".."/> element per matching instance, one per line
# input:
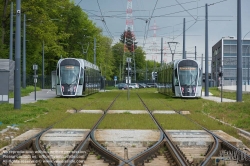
<point x="181" y="78"/>
<point x="77" y="77"/>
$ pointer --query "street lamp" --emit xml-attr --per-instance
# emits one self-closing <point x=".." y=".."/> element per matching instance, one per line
<point x="172" y="44"/>
<point x="84" y="51"/>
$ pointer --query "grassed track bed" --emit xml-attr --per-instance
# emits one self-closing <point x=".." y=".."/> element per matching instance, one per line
<point x="45" y="113"/>
<point x="79" y="121"/>
<point x="175" y="122"/>
<point x="127" y="121"/>
<point x="125" y="102"/>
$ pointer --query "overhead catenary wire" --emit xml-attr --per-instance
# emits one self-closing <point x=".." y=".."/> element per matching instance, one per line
<point x="119" y="15"/>
<point x="79" y="2"/>
<point x="186" y="10"/>
<point x="146" y="33"/>
<point x="104" y="22"/>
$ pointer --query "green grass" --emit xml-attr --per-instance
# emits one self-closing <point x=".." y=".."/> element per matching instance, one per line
<point x="176" y="122"/>
<point x="24" y="92"/>
<point x="128" y="102"/>
<point x="79" y="121"/>
<point x="127" y="121"/>
<point x="44" y="113"/>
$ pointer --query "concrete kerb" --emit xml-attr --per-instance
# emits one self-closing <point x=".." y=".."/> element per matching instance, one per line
<point x="241" y="132"/>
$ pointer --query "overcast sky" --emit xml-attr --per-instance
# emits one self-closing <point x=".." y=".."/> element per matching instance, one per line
<point x="168" y="15"/>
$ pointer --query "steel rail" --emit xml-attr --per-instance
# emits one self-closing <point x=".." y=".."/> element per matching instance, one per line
<point x="27" y="143"/>
<point x="240" y="153"/>
<point x="21" y="146"/>
<point x="214" y="150"/>
<point x="180" y="159"/>
<point x="95" y="144"/>
<point x="43" y="153"/>
<point x="148" y="153"/>
<point x="215" y="146"/>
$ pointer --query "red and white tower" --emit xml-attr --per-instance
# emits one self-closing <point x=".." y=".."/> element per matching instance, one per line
<point x="129" y="27"/>
<point x="154" y="45"/>
<point x="129" y="16"/>
<point x="129" y="21"/>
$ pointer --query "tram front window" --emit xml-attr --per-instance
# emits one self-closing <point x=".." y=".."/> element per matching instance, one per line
<point x="188" y="75"/>
<point x="69" y="74"/>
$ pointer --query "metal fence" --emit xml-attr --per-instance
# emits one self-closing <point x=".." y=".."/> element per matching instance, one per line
<point x="47" y="81"/>
<point x="48" y="84"/>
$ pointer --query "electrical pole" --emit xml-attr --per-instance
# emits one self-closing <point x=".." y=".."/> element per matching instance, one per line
<point x="184" y="44"/>
<point x="146" y="71"/>
<point x="43" y="67"/>
<point x="195" y="52"/>
<point x="161" y="50"/>
<point x="95" y="51"/>
<point x="11" y="32"/>
<point x="134" y="59"/>
<point x="206" y="53"/>
<point x="239" y="55"/>
<point x="24" y="51"/>
<point x="17" y="81"/>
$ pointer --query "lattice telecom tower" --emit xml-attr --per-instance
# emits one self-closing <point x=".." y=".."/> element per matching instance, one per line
<point x="129" y="19"/>
<point x="129" y="26"/>
<point x="154" y="46"/>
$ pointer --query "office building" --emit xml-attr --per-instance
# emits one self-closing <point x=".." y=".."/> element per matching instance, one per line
<point x="224" y="57"/>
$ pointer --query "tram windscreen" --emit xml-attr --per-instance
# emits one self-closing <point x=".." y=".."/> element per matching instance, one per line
<point x="188" y="75"/>
<point x="69" y="74"/>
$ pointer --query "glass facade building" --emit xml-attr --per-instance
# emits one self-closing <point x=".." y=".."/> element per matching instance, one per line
<point x="224" y="58"/>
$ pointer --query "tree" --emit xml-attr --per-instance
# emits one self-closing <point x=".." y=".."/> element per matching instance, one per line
<point x="140" y="59"/>
<point x="129" y="39"/>
<point x="61" y="26"/>
<point x="105" y="57"/>
<point x="117" y="51"/>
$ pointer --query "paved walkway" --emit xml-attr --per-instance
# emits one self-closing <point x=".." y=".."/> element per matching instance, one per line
<point x="43" y="94"/>
<point x="218" y="99"/>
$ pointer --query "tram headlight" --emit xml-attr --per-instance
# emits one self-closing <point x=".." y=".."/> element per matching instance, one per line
<point x="71" y="89"/>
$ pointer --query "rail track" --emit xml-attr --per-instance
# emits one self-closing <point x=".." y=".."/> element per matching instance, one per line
<point x="219" y="143"/>
<point x="39" y="153"/>
<point x="89" y="140"/>
<point x="174" y="156"/>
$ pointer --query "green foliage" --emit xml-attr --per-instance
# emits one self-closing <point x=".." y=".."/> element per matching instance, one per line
<point x="128" y="38"/>
<point x="61" y="26"/>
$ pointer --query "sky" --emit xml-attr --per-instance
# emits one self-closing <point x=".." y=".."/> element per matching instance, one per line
<point x="154" y="20"/>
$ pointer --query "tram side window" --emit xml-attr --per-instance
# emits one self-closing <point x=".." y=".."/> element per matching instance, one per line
<point x="200" y="77"/>
<point x="176" y="81"/>
<point x="57" y="76"/>
<point x="81" y="78"/>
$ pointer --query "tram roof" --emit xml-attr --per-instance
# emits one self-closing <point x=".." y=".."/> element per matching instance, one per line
<point x="83" y="62"/>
